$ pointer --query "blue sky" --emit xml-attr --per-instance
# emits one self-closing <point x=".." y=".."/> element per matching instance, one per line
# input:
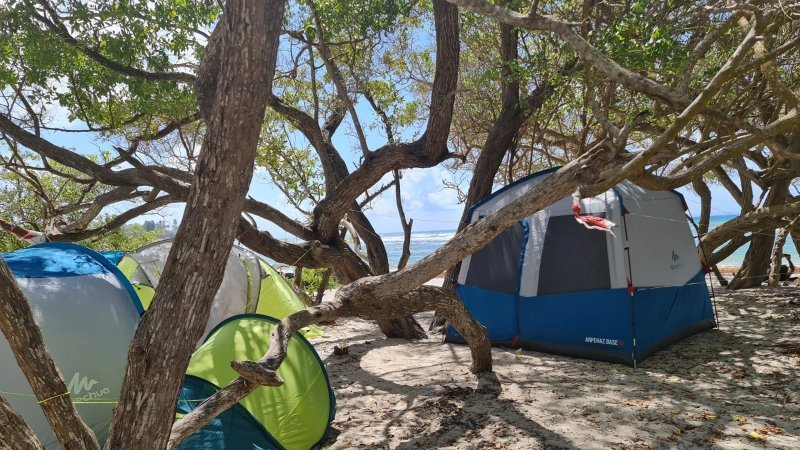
<point x="425" y="198"/>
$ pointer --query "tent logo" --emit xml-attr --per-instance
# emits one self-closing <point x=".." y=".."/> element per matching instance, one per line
<point x="80" y="384"/>
<point x="603" y="341"/>
<point x="675" y="261"/>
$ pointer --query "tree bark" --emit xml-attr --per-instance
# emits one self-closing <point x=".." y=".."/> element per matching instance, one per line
<point x="15" y="434"/>
<point x="401" y="327"/>
<point x="761" y="220"/>
<point x="702" y="190"/>
<point x="350" y="267"/>
<point x="400" y="293"/>
<point x="429" y="150"/>
<point x="720" y="278"/>
<point x="500" y="139"/>
<point x="27" y="343"/>
<point x="774" y="276"/>
<point x="755" y="265"/>
<point x="757" y="259"/>
<point x="406" y="224"/>
<point x="323" y="285"/>
<point x="163" y="343"/>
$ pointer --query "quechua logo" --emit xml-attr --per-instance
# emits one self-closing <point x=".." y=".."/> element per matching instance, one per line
<point x="676" y="261"/>
<point x="81" y="388"/>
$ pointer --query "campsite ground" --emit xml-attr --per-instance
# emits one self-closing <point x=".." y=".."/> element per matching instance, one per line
<point x="736" y="387"/>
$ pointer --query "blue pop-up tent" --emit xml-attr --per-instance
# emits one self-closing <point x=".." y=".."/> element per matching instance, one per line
<point x="87" y="312"/>
<point x="553" y="285"/>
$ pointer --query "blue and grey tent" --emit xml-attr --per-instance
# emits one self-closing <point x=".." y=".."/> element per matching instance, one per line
<point x="88" y="313"/>
<point x="550" y="284"/>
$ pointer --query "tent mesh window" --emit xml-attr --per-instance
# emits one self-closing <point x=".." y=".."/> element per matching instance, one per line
<point x="496" y="266"/>
<point x="574" y="258"/>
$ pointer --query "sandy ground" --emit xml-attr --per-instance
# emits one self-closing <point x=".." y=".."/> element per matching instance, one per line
<point x="736" y="387"/>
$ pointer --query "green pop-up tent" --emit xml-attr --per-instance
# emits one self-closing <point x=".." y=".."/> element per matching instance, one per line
<point x="294" y="416"/>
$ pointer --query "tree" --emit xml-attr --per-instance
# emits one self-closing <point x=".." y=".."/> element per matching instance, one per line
<point x="32" y="198"/>
<point x="570" y="89"/>
<point x="234" y="67"/>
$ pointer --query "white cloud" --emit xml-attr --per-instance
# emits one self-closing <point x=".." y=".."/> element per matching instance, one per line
<point x="425" y="199"/>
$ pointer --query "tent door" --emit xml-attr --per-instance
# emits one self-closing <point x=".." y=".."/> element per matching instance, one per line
<point x="526" y="233"/>
<point x="497" y="267"/>
<point x="573" y="258"/>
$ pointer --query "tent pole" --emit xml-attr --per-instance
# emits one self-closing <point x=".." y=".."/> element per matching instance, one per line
<point x="630" y="285"/>
<point x="520" y="266"/>
<point x="705" y="256"/>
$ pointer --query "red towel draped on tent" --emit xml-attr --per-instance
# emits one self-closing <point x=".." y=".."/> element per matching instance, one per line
<point x="593" y="222"/>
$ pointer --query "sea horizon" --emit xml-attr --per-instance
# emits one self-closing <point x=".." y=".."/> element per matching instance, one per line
<point x="424" y="243"/>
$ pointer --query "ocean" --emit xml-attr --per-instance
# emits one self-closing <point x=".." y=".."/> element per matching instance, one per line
<point x="424" y="243"/>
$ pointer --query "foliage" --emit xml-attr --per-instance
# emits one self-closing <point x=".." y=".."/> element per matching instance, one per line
<point x="293" y="167"/>
<point x="126" y="238"/>
<point x="312" y="279"/>
<point x="148" y="35"/>
<point x="31" y="198"/>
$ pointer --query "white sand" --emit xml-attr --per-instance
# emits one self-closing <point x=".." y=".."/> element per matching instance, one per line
<point x="712" y="390"/>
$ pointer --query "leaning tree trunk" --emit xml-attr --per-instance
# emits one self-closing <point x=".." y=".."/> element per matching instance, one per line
<point x="398" y="327"/>
<point x="777" y="256"/>
<point x="27" y="343"/>
<point x="500" y="138"/>
<point x="405" y="327"/>
<point x="400" y="293"/>
<point x="757" y="259"/>
<point x="402" y="327"/>
<point x="15" y="434"/>
<point x="234" y="81"/>
<point x="756" y="263"/>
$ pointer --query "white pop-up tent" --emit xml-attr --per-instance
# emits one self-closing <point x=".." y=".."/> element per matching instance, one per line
<point x="249" y="285"/>
<point x="237" y="294"/>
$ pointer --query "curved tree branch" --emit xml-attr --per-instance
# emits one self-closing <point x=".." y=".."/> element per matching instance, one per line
<point x="428" y="151"/>
<point x="338" y="80"/>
